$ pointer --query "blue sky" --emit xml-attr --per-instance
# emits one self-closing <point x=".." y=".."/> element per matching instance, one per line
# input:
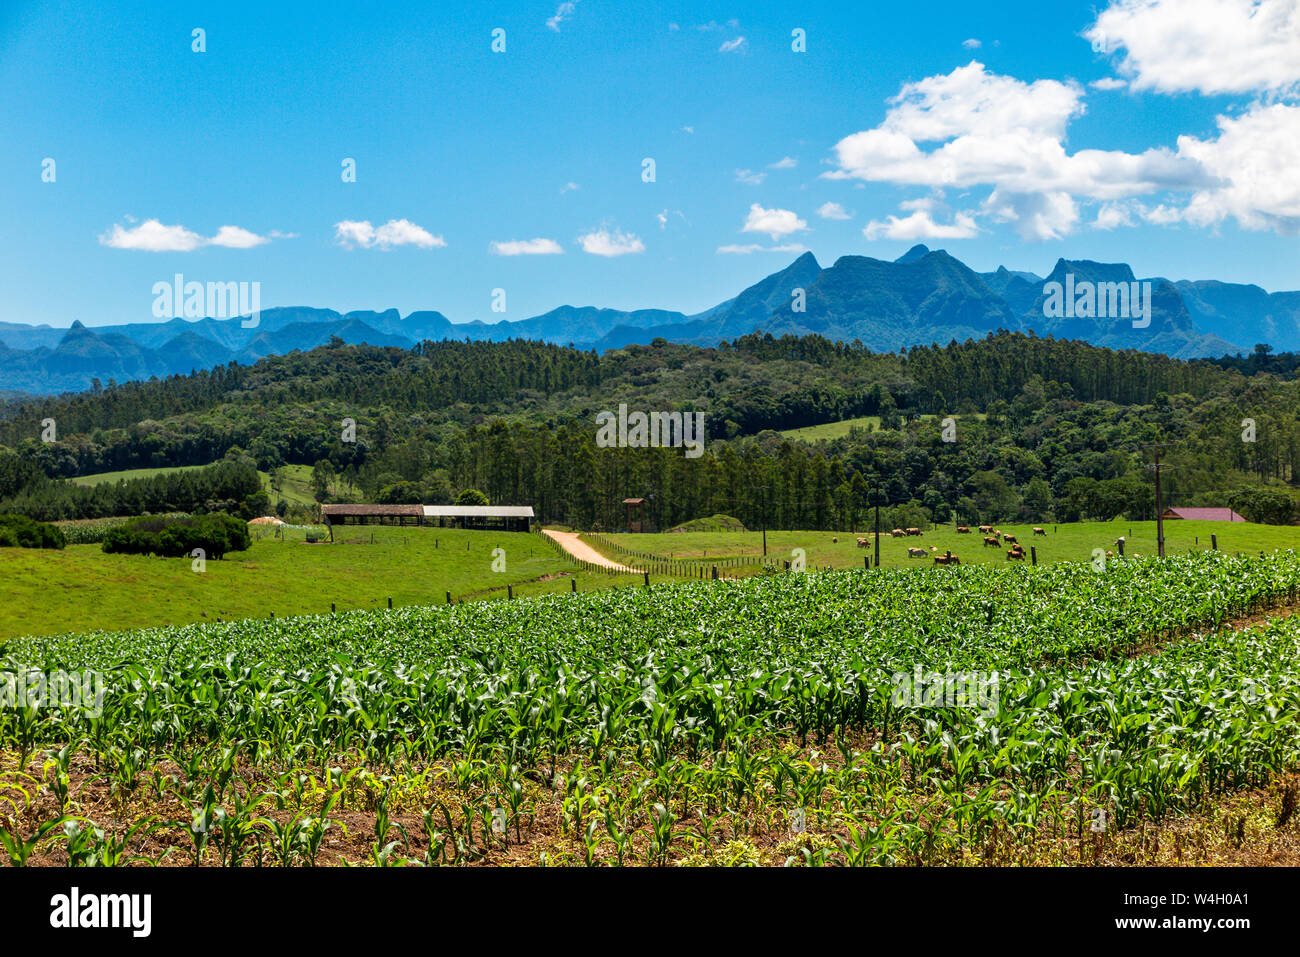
<point x="993" y="130"/>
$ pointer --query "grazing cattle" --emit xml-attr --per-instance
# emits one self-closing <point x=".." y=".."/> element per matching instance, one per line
<point x="1010" y="538"/>
<point x="947" y="560"/>
<point x="898" y="533"/>
<point x="1015" y="555"/>
<point x="916" y="553"/>
<point x="1039" y="531"/>
<point x="963" y="529"/>
<point x="985" y="529"/>
<point x="835" y="541"/>
<point x="913" y="531"/>
<point x="990" y="540"/>
<point x="862" y="543"/>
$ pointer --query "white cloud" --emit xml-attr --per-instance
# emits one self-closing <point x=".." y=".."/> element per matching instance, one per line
<point x="785" y="162"/>
<point x="921" y="225"/>
<point x="1208" y="46"/>
<point x="395" y="232"/>
<point x="155" y="237"/>
<point x="688" y="129"/>
<point x="832" y="211"/>
<point x="1112" y="215"/>
<point x="745" y="250"/>
<point x="563" y="12"/>
<point x="233" y="237"/>
<point x="750" y="177"/>
<point x="970" y="128"/>
<point x="774" y="222"/>
<point x="603" y="242"/>
<point x="730" y="46"/>
<point x="971" y="44"/>
<point x="1108" y="83"/>
<point x="568" y="187"/>
<point x="1254" y="161"/>
<point x="526" y="247"/>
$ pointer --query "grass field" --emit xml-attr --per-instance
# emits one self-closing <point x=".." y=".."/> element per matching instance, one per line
<point x="80" y="588"/>
<point x="295" y="485"/>
<point x="837" y="430"/>
<point x="1072" y="542"/>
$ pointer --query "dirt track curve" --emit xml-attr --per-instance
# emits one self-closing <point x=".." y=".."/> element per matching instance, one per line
<point x="579" y="549"/>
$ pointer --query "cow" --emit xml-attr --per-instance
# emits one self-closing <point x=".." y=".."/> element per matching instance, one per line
<point x="947" y="560"/>
<point x="1039" y="531"/>
<point x="1015" y="555"/>
<point x="862" y="543"/>
<point x="835" y="541"/>
<point x="963" y="529"/>
<point x="989" y="540"/>
<point x="913" y="531"/>
<point x="916" y="553"/>
<point x="985" y="529"/>
<point x="898" y="533"/>
<point x="1011" y="539"/>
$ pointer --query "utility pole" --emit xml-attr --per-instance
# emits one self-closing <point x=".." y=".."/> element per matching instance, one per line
<point x="1157" y="468"/>
<point x="765" y="521"/>
<point x="877" y="497"/>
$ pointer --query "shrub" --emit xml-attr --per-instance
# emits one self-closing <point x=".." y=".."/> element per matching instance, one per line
<point x="19" y="531"/>
<point x="215" y="533"/>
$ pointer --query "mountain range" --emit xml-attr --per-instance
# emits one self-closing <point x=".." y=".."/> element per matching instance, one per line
<point x="925" y="296"/>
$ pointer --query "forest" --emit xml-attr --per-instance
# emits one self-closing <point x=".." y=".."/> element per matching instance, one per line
<point x="1042" y="429"/>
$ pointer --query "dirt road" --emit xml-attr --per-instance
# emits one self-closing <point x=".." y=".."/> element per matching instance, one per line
<point x="579" y="549"/>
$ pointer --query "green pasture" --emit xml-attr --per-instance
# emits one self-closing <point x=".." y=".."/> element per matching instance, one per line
<point x="82" y="589"/>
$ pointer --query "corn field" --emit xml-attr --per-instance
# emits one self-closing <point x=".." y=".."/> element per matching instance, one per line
<point x="727" y="722"/>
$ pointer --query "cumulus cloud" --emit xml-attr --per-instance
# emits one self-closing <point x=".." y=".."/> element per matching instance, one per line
<point x="1108" y="83"/>
<point x="606" y="242"/>
<point x="774" y="222"/>
<point x="971" y="127"/>
<point x="1207" y="46"/>
<point x="526" y="247"/>
<point x="750" y="177"/>
<point x="832" y="211"/>
<point x="155" y="237"/>
<point x="731" y="46"/>
<point x="921" y="225"/>
<point x="785" y="162"/>
<point x="971" y="44"/>
<point x="396" y="232"/>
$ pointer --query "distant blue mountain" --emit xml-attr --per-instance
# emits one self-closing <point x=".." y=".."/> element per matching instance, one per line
<point x="924" y="296"/>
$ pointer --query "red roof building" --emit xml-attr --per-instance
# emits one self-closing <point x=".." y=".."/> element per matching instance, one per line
<point x="1203" y="514"/>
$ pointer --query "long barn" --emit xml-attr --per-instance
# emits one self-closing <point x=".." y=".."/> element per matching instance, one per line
<point x="502" y="518"/>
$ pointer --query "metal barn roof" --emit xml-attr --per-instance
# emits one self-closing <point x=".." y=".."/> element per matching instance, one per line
<point x="478" y="511"/>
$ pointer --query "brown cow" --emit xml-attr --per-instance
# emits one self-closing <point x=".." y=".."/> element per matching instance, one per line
<point x="1015" y="555"/>
<point x="914" y="531"/>
<point x="898" y="533"/>
<point x="1010" y="538"/>
<point x="862" y="543"/>
<point x="990" y="541"/>
<point x="1039" y="531"/>
<point x="947" y="560"/>
<point x="985" y="529"/>
<point x="916" y="553"/>
<point x="963" y="529"/>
